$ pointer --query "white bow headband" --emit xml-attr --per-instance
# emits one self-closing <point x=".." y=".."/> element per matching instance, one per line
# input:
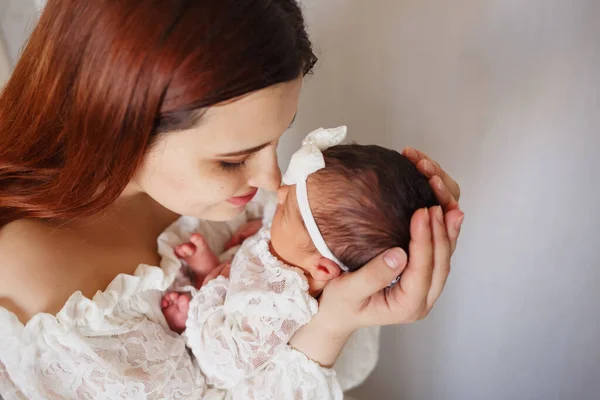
<point x="307" y="160"/>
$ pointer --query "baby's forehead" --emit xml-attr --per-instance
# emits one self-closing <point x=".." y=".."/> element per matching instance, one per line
<point x="292" y="205"/>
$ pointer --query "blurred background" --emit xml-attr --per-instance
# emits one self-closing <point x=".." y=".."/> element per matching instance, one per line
<point x="505" y="94"/>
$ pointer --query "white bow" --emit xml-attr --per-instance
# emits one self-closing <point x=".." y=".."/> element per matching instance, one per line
<point x="307" y="160"/>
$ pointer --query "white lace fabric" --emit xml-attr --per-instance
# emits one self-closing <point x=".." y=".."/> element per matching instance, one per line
<point x="236" y="327"/>
<point x="117" y="345"/>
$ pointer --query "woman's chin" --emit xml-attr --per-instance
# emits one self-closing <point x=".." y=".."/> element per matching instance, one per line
<point x="220" y="212"/>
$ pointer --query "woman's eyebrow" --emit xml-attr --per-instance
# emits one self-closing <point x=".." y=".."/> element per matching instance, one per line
<point x="251" y="150"/>
<point x="244" y="152"/>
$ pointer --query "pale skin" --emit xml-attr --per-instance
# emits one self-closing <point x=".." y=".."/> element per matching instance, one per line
<point x="190" y="173"/>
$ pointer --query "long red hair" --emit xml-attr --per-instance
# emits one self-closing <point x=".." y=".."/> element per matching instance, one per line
<point x="99" y="80"/>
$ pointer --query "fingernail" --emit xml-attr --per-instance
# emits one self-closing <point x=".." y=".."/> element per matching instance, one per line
<point x="439" y="215"/>
<point x="426" y="216"/>
<point x="428" y="167"/>
<point x="459" y="222"/>
<point x="411" y="153"/>
<point x="439" y="183"/>
<point x="395" y="258"/>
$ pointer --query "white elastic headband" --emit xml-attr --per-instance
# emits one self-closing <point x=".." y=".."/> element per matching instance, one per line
<point x="307" y="160"/>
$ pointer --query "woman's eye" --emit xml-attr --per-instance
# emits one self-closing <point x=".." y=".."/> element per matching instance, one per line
<point x="231" y="166"/>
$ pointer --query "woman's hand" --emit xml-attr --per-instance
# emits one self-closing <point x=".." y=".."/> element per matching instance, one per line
<point x="434" y="234"/>
<point x="446" y="189"/>
<point x="362" y="298"/>
<point x="244" y="232"/>
<point x="221" y="270"/>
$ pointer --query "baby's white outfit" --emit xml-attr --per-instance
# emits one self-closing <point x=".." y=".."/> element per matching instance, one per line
<point x="117" y="345"/>
<point x="240" y="326"/>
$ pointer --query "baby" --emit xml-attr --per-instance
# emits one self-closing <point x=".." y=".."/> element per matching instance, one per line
<point x="341" y="206"/>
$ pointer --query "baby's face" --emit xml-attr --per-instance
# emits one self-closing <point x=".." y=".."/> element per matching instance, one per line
<point x="288" y="235"/>
<point x="290" y="240"/>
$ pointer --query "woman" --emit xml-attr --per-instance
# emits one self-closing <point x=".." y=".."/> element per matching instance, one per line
<point x="122" y="115"/>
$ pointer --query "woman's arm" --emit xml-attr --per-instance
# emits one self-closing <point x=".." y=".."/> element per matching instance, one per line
<point x="320" y="340"/>
<point x="362" y="298"/>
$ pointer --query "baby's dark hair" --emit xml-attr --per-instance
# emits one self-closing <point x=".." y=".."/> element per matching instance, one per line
<point x="363" y="201"/>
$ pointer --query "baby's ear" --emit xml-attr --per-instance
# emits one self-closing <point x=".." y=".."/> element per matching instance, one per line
<point x="326" y="270"/>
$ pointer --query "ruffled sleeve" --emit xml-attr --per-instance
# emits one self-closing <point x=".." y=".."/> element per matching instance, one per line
<point x="114" y="345"/>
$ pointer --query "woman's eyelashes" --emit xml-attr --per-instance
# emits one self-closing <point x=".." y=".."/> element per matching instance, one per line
<point x="236" y="163"/>
<point x="232" y="166"/>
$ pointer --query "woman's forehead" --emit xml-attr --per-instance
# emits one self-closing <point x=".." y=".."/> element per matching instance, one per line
<point x="249" y="122"/>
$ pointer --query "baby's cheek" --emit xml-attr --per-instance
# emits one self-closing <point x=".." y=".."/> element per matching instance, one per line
<point x="292" y="249"/>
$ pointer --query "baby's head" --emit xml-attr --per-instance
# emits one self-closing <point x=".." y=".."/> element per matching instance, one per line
<point x="362" y="203"/>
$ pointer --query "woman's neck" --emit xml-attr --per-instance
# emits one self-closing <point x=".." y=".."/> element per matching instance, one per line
<point x="136" y="203"/>
<point x="133" y="213"/>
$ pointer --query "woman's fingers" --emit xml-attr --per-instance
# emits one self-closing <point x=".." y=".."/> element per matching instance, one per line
<point x="233" y="241"/>
<point x="225" y="270"/>
<point x="441" y="255"/>
<point x="445" y="198"/>
<point x="410" y="294"/>
<point x="362" y="298"/>
<point x="431" y="168"/>
<point x="244" y="232"/>
<point x="376" y="275"/>
<point x="216" y="272"/>
<point x="453" y="223"/>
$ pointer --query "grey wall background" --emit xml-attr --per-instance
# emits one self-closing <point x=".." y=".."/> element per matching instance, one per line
<point x="17" y="18"/>
<point x="505" y="95"/>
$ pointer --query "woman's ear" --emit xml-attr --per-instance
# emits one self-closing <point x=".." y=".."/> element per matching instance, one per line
<point x="326" y="270"/>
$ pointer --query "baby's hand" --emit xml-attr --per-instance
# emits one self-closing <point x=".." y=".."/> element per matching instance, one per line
<point x="244" y="232"/>
<point x="222" y="270"/>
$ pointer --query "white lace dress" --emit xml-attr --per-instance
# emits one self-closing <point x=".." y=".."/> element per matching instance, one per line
<point x="238" y="328"/>
<point x="117" y="345"/>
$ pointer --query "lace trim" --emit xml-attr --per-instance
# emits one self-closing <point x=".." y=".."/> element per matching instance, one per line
<point x="262" y="250"/>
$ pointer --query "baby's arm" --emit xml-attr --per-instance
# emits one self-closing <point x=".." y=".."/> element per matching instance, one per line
<point x="259" y="317"/>
<point x="175" y="306"/>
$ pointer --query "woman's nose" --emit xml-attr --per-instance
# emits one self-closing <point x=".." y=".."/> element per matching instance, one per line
<point x="266" y="174"/>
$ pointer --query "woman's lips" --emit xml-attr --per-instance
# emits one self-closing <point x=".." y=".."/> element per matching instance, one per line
<point x="243" y="200"/>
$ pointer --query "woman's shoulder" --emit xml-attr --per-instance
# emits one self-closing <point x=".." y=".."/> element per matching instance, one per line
<point x="30" y="266"/>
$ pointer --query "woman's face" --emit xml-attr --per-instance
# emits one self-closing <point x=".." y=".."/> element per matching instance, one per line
<point x="213" y="170"/>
